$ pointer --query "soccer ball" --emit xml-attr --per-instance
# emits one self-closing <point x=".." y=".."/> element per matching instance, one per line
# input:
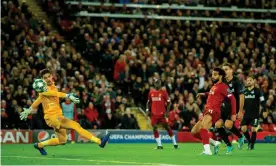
<point x="40" y="85"/>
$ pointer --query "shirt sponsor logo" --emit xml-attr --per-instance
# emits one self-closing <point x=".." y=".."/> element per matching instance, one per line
<point x="156" y="98"/>
<point x="249" y="96"/>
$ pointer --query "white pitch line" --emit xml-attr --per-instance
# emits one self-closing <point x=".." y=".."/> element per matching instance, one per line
<point x="103" y="161"/>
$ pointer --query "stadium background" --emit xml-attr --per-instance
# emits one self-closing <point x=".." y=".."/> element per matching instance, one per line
<point x="108" y="53"/>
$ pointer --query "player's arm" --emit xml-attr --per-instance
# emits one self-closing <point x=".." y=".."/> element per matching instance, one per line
<point x="262" y="102"/>
<point x="61" y="95"/>
<point x="54" y="94"/>
<point x="240" y="91"/>
<point x="168" y="101"/>
<point x="27" y="111"/>
<point x="36" y="103"/>
<point x="233" y="104"/>
<point x="202" y="94"/>
<point x="148" y="111"/>
<point x="230" y="96"/>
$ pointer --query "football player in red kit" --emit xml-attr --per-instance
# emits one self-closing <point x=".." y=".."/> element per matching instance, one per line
<point x="158" y="106"/>
<point x="211" y="113"/>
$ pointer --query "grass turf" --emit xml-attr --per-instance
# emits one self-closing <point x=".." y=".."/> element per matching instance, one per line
<point x="134" y="154"/>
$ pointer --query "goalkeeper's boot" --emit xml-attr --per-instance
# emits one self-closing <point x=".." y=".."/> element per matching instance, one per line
<point x="41" y="150"/>
<point x="241" y="142"/>
<point x="104" y="140"/>
<point x="175" y="146"/>
<point x="159" y="147"/>
<point x="229" y="149"/>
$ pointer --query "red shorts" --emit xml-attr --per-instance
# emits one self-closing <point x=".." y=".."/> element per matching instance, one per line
<point x="158" y="120"/>
<point x="215" y="114"/>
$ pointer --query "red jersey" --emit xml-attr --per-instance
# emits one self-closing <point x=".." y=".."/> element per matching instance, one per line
<point x="216" y="97"/>
<point x="158" y="100"/>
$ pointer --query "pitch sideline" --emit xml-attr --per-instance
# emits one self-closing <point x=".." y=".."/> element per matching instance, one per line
<point x="96" y="161"/>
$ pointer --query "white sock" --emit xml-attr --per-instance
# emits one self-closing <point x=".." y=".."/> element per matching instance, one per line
<point x="158" y="140"/>
<point x="207" y="148"/>
<point x="212" y="142"/>
<point x="173" y="140"/>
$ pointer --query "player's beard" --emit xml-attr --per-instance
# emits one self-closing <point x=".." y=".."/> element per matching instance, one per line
<point x="215" y="80"/>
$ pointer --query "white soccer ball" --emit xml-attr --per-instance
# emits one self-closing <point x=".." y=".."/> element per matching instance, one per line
<point x="40" y="85"/>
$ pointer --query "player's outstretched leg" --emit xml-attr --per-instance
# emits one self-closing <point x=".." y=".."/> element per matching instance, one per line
<point x="206" y="124"/>
<point x="195" y="130"/>
<point x="213" y="141"/>
<point x="224" y="137"/>
<point x="247" y="135"/>
<point x="218" y="126"/>
<point x="70" y="124"/>
<point x="61" y="139"/>
<point x="229" y="125"/>
<point x="170" y="132"/>
<point x="157" y="137"/>
<point x="215" y="144"/>
<point x="41" y="150"/>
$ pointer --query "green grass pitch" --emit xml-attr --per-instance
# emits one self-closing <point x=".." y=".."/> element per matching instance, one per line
<point x="134" y="154"/>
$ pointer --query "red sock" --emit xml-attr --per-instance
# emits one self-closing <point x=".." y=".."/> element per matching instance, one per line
<point x="170" y="132"/>
<point x="205" y="136"/>
<point x="211" y="135"/>
<point x="156" y="134"/>
<point x="72" y="135"/>
<point x="197" y="135"/>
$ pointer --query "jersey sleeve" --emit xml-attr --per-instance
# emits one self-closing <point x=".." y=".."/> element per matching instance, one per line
<point x="36" y="102"/>
<point x="206" y="93"/>
<point x="226" y="92"/>
<point x="54" y="93"/>
<point x="166" y="96"/>
<point x="260" y="95"/>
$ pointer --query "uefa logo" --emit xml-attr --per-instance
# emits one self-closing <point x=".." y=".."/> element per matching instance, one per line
<point x="42" y="136"/>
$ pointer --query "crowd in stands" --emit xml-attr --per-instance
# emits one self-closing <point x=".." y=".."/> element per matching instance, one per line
<point x="111" y="63"/>
<point x="29" y="45"/>
<point x="181" y="53"/>
<point x="264" y="4"/>
<point x="171" y="12"/>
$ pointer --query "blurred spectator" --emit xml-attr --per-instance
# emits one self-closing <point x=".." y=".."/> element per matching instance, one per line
<point x="92" y="117"/>
<point x="174" y="120"/>
<point x="109" y="120"/>
<point x="4" y="115"/>
<point x="129" y="121"/>
<point x="119" y="67"/>
<point x="69" y="111"/>
<point x="107" y="103"/>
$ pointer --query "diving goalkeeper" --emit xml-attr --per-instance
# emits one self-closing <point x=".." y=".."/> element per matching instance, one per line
<point x="54" y="118"/>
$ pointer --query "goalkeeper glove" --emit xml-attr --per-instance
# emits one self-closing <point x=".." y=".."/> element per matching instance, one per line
<point x="24" y="115"/>
<point x="71" y="96"/>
